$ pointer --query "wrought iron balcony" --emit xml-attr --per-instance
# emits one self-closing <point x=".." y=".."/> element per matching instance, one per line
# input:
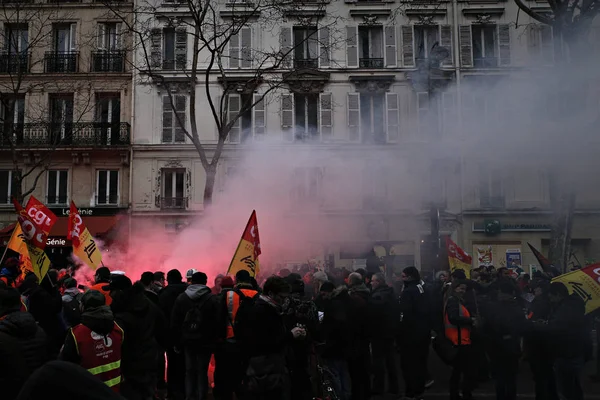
<point x="179" y="63"/>
<point x="371" y="63"/>
<point x="487" y="62"/>
<point x="60" y="134"/>
<point x="56" y="62"/>
<point x="14" y="63"/>
<point x="108" y="61"/>
<point x="173" y="203"/>
<point x="311" y="63"/>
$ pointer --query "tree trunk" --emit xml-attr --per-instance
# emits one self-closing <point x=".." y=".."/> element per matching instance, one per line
<point x="562" y="200"/>
<point x="211" y="176"/>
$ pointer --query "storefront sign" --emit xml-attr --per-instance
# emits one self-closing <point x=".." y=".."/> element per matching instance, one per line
<point x="50" y="242"/>
<point x="513" y="258"/>
<point x="90" y="211"/>
<point x="480" y="227"/>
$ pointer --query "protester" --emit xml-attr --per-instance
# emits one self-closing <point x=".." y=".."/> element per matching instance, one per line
<point x="71" y="301"/>
<point x="216" y="289"/>
<point x="147" y="281"/>
<point x="159" y="282"/>
<point x="101" y="279"/>
<point x="95" y="344"/>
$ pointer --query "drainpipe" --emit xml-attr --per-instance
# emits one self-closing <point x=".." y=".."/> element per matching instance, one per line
<point x="131" y="141"/>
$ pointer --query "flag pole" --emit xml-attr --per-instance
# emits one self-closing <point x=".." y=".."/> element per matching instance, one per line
<point x="240" y="242"/>
<point x="4" y="254"/>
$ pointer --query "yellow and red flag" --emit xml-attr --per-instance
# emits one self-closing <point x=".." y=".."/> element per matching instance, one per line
<point x="40" y="262"/>
<point x="18" y="244"/>
<point x="458" y="258"/>
<point x="246" y="255"/>
<point x="585" y="283"/>
<point x="84" y="245"/>
<point x="36" y="221"/>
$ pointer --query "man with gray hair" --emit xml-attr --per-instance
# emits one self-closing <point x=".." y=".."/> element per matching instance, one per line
<point x="359" y="357"/>
<point x="384" y="312"/>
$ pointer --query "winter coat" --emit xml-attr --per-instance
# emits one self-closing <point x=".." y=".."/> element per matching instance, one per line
<point x="23" y="349"/>
<point x="184" y="303"/>
<point x="415" y="311"/>
<point x="166" y="302"/>
<point x="360" y="297"/>
<point x="566" y="328"/>
<point x="151" y="295"/>
<point x="385" y="313"/>
<point x="46" y="308"/>
<point x="504" y="327"/>
<point x="336" y="328"/>
<point x="99" y="320"/>
<point x="145" y="329"/>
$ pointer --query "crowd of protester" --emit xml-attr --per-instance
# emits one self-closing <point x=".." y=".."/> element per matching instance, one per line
<point x="298" y="335"/>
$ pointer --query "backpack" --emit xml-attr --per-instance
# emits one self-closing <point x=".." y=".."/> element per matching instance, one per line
<point x="71" y="310"/>
<point x="244" y="316"/>
<point x="196" y="326"/>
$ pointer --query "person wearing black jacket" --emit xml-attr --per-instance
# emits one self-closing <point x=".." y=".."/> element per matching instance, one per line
<point x="504" y="326"/>
<point x="197" y="339"/>
<point x="415" y="332"/>
<point x="145" y="330"/>
<point x="384" y="310"/>
<point x="566" y="330"/>
<point x="23" y="344"/>
<point x="175" y="361"/>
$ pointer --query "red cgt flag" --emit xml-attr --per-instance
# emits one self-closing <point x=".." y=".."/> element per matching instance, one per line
<point x="248" y="250"/>
<point x="36" y="221"/>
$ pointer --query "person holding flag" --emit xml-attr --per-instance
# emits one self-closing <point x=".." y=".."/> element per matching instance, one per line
<point x="248" y="250"/>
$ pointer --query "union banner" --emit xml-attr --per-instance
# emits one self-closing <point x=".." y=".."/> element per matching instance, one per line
<point x="36" y="221"/>
<point x="585" y="283"/>
<point x="84" y="245"/>
<point x="248" y="250"/>
<point x="458" y="258"/>
<point x="18" y="244"/>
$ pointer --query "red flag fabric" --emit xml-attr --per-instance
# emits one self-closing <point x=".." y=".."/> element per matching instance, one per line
<point x="248" y="250"/>
<point x="36" y="221"/>
<point x="544" y="262"/>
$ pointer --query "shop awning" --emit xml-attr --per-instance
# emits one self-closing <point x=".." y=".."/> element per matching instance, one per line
<point x="97" y="226"/>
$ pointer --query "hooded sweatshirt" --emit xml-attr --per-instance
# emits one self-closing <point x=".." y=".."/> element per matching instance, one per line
<point x="194" y="294"/>
<point x="99" y="320"/>
<point x="23" y="343"/>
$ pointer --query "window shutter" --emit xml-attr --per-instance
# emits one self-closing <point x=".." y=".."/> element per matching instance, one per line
<point x="181" y="39"/>
<point x="324" y="48"/>
<point x="354" y="116"/>
<point x="466" y="46"/>
<point x="390" y="46"/>
<point x="181" y="118"/>
<point x="258" y="118"/>
<point x="393" y="116"/>
<point x="287" y="116"/>
<point x="547" y="44"/>
<point x="155" y="48"/>
<point x="234" y="50"/>
<point x="285" y="43"/>
<point x="246" y="47"/>
<point x="234" y="105"/>
<point x="101" y="42"/>
<point x="408" y="53"/>
<point x="446" y="42"/>
<point x="167" y="120"/>
<point x="118" y="36"/>
<point x="326" y="115"/>
<point x="504" y="44"/>
<point x="450" y="116"/>
<point x="73" y="37"/>
<point x="352" y="46"/>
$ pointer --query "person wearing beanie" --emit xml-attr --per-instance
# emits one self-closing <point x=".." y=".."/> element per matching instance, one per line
<point x="23" y="344"/>
<point x="175" y="361"/>
<point x="227" y="283"/>
<point x="95" y="344"/>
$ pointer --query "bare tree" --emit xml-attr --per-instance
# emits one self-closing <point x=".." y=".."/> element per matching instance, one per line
<point x="213" y="44"/>
<point x="26" y="120"/>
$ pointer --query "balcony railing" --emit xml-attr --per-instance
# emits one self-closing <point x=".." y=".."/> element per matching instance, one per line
<point x="173" y="203"/>
<point x="371" y="63"/>
<point x="311" y="63"/>
<point x="60" y="62"/>
<point x="81" y="134"/>
<point x="104" y="61"/>
<point x="14" y="63"/>
<point x="488" y="62"/>
<point x="178" y="63"/>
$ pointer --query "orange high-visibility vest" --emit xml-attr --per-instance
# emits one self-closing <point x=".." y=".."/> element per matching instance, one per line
<point x="233" y="304"/>
<point x="453" y="332"/>
<point x="98" y="287"/>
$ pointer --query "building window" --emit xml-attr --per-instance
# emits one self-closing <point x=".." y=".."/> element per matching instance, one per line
<point x="306" y="115"/>
<point x="173" y="189"/>
<point x="108" y="118"/>
<point x="108" y="56"/>
<point x="107" y="187"/>
<point x="6" y="186"/>
<point x="12" y="117"/>
<point x="64" y="57"/>
<point x="426" y="36"/>
<point x="428" y="113"/>
<point x="484" y="46"/>
<point x="240" y="48"/>
<point x="306" y="47"/>
<point x="174" y="119"/>
<point x="16" y="46"/>
<point x="58" y="187"/>
<point x="174" y="49"/>
<point x="307" y="184"/>
<point x="491" y="194"/>
<point x="370" y="47"/>
<point x="61" y="118"/>
<point x="372" y="117"/>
